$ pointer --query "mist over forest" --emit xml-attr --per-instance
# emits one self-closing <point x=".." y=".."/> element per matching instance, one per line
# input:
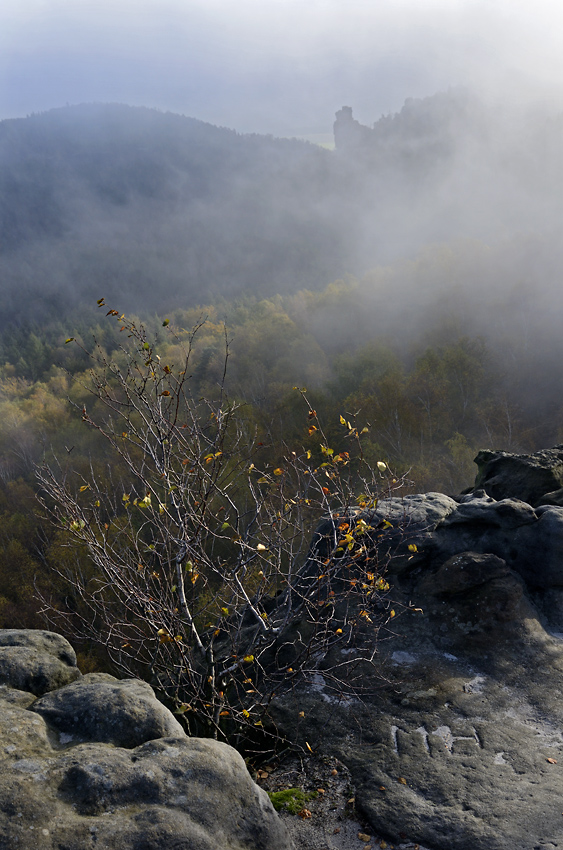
<point x="444" y="220"/>
<point x="165" y="211"/>
<point x="409" y="278"/>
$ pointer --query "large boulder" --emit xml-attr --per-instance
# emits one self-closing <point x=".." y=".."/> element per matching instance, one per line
<point x="536" y="478"/>
<point x="99" y="764"/>
<point x="36" y="661"/>
<point x="121" y="712"/>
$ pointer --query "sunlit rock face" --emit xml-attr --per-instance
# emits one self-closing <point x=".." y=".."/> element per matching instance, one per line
<point x="457" y="742"/>
<point x="95" y="762"/>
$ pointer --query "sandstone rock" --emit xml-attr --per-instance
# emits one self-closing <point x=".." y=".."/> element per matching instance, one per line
<point x="36" y="661"/>
<point x="453" y="753"/>
<point x="100" y="764"/>
<point x="529" y="540"/>
<point x="413" y="519"/>
<point x="527" y="477"/>
<point x="463" y="749"/>
<point x="464" y="572"/>
<point x="121" y="712"/>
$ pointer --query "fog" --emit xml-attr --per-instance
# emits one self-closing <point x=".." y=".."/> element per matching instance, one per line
<point x="274" y="66"/>
<point x="443" y="196"/>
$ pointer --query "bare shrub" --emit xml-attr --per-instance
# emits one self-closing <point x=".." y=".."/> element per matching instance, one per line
<point x="200" y="574"/>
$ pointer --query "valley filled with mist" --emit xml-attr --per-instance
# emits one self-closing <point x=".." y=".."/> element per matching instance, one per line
<point x="410" y="279"/>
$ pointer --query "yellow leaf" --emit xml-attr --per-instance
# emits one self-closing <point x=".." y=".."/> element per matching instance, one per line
<point x="225" y="611"/>
<point x="381" y="465"/>
<point x="164" y="636"/>
<point x="84" y="487"/>
<point x="402" y="780"/>
<point x="342" y="420"/>
<point x="260" y="547"/>
<point x="245" y="712"/>
<point x="309" y="747"/>
<point x="278" y="471"/>
<point x="248" y="659"/>
<point x="413" y="547"/>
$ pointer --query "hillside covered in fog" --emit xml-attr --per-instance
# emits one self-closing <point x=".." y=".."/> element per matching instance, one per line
<point x="168" y="211"/>
<point x="410" y="279"/>
<point x="161" y="209"/>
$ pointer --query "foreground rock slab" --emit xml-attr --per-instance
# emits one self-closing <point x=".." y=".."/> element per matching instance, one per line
<point x="100" y="764"/>
<point x="457" y="741"/>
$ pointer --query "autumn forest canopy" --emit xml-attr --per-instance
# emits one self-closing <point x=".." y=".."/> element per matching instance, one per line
<point x="409" y="279"/>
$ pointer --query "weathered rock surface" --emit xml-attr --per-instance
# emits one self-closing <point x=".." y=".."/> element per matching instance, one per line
<point x="36" y="661"/>
<point x="124" y="713"/>
<point x="536" y="478"/>
<point x="463" y="750"/>
<point x="100" y="763"/>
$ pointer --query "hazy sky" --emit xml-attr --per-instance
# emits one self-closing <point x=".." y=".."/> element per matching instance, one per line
<point x="279" y="66"/>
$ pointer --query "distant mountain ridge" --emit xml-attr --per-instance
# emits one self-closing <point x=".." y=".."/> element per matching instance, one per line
<point x="160" y="210"/>
<point x="157" y="207"/>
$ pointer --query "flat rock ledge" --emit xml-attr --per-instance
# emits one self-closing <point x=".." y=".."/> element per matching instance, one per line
<point x="96" y="763"/>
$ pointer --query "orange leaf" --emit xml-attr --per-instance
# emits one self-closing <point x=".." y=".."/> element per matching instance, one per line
<point x="552" y="761"/>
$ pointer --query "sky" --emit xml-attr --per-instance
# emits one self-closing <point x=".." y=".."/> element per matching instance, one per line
<point x="274" y="66"/>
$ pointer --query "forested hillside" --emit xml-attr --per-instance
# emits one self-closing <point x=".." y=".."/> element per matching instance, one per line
<point x="163" y="209"/>
<point x="410" y="280"/>
<point x="167" y="211"/>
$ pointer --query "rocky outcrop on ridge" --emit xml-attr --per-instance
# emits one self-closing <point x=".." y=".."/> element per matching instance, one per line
<point x="536" y="478"/>
<point x="94" y="762"/>
<point x="462" y="749"/>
